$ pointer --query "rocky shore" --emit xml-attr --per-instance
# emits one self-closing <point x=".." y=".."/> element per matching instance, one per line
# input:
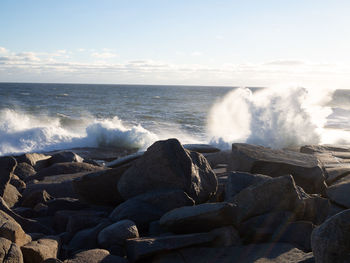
<point x="178" y="204"/>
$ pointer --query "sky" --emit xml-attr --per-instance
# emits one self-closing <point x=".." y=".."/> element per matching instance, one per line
<point x="184" y="42"/>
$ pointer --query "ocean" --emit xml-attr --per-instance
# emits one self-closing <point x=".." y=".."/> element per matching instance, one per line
<point x="39" y="117"/>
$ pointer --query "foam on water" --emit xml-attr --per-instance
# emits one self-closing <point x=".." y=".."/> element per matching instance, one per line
<point x="274" y="117"/>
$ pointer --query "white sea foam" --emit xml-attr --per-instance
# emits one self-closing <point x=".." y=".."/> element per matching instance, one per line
<point x="21" y="132"/>
<point x="274" y="117"/>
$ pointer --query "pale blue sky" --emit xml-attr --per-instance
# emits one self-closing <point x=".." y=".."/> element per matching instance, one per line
<point x="218" y="42"/>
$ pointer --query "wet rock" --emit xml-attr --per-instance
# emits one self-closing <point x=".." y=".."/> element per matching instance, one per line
<point x="65" y="157"/>
<point x="200" y="218"/>
<point x="331" y="240"/>
<point x="10" y="252"/>
<point x="117" y="233"/>
<point x="149" y="207"/>
<point x="237" y="181"/>
<point x="24" y="171"/>
<point x="167" y="165"/>
<point x="7" y="167"/>
<point x="41" y="249"/>
<point x="305" y="168"/>
<point x="100" y="188"/>
<point x="339" y="192"/>
<point x="267" y="196"/>
<point x="95" y="256"/>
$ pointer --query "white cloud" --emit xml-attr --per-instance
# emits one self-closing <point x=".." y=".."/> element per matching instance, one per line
<point x="196" y="54"/>
<point x="104" y="55"/>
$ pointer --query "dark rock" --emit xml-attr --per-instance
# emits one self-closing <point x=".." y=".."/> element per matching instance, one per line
<point x="226" y="236"/>
<point x="36" y="160"/>
<point x="38" y="251"/>
<point x="149" y="207"/>
<point x="222" y="157"/>
<point x="24" y="170"/>
<point x="95" y="256"/>
<point x="334" y="209"/>
<point x="316" y="209"/>
<point x="87" y="238"/>
<point x="100" y="188"/>
<point x="11" y="195"/>
<point x="30" y="199"/>
<point x="67" y="203"/>
<point x="124" y="160"/>
<point x="7" y="167"/>
<point x="305" y="168"/>
<point x="310" y="149"/>
<point x="262" y="253"/>
<point x="237" y="181"/>
<point x="201" y="148"/>
<point x="10" y="252"/>
<point x="65" y="168"/>
<point x="273" y="195"/>
<point x="18" y="183"/>
<point x="65" y="157"/>
<point x="200" y="218"/>
<point x="117" y="233"/>
<point x="339" y="192"/>
<point x="167" y="165"/>
<point x="11" y="230"/>
<point x="336" y="172"/>
<point x="331" y="240"/>
<point x="25" y="212"/>
<point x="52" y="260"/>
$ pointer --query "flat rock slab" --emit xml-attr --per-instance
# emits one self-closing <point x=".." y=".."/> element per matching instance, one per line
<point x="95" y="256"/>
<point x="330" y="241"/>
<point x="201" y="148"/>
<point x="324" y="148"/>
<point x="259" y="253"/>
<point x="200" y="218"/>
<point x="305" y="168"/>
<point x="336" y="172"/>
<point x="339" y="192"/>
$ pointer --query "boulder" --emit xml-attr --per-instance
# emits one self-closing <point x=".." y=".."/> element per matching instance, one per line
<point x="18" y="183"/>
<point x="65" y="157"/>
<point x="36" y="160"/>
<point x="24" y="171"/>
<point x="7" y="167"/>
<point x="11" y="195"/>
<point x="201" y="148"/>
<point x="167" y="165"/>
<point x="339" y="192"/>
<point x="316" y="209"/>
<point x="100" y="188"/>
<point x="30" y="199"/>
<point x="52" y="260"/>
<point x="237" y="181"/>
<point x="222" y="157"/>
<point x="311" y="149"/>
<point x="305" y="168"/>
<point x="67" y="203"/>
<point x="273" y="195"/>
<point x="66" y="168"/>
<point x="335" y="173"/>
<point x="117" y="233"/>
<point x="259" y="253"/>
<point x="149" y="207"/>
<point x="41" y="249"/>
<point x="95" y="256"/>
<point x="199" y="218"/>
<point x="125" y="160"/>
<point x="331" y="240"/>
<point x="11" y="230"/>
<point x="10" y="252"/>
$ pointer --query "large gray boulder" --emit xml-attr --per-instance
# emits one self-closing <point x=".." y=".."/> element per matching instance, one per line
<point x="41" y="249"/>
<point x="24" y="170"/>
<point x="273" y="195"/>
<point x="305" y="168"/>
<point x="7" y="167"/>
<point x="339" y="192"/>
<point x="331" y="240"/>
<point x="117" y="233"/>
<point x="11" y="230"/>
<point x="237" y="181"/>
<point x="199" y="218"/>
<point x="11" y="195"/>
<point x="143" y="209"/>
<point x="100" y="188"/>
<point x="10" y="252"/>
<point x="36" y="160"/>
<point x="167" y="165"/>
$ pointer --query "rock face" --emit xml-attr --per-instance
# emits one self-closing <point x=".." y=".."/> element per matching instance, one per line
<point x="24" y="170"/>
<point x="200" y="218"/>
<point x="143" y="209"/>
<point x="11" y="195"/>
<point x="11" y="230"/>
<point x="65" y="157"/>
<point x="10" y="252"/>
<point x="117" y="233"/>
<point x="275" y="194"/>
<point x="36" y="160"/>
<point x="95" y="256"/>
<point x="167" y="165"/>
<point x="38" y="251"/>
<point x="339" y="192"/>
<point x="7" y="167"/>
<point x="305" y="168"/>
<point x="100" y="188"/>
<point x="331" y="240"/>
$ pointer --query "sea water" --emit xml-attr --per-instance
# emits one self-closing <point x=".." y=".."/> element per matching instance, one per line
<point x="37" y="117"/>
